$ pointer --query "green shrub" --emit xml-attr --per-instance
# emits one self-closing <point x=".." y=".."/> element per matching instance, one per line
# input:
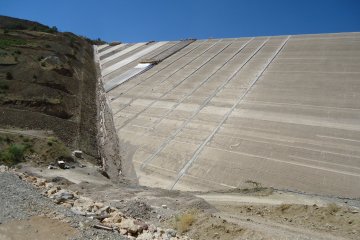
<point x="53" y="29"/>
<point x="4" y="86"/>
<point x="33" y="28"/>
<point x="14" y="154"/>
<point x="9" y="76"/>
<point x="11" y="42"/>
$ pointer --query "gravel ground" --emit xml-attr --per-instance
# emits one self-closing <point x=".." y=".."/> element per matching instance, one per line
<point x="20" y="200"/>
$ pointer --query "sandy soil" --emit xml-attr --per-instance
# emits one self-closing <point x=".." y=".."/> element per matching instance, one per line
<point x="40" y="228"/>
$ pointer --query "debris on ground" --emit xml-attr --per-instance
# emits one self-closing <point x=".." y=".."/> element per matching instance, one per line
<point x="109" y="218"/>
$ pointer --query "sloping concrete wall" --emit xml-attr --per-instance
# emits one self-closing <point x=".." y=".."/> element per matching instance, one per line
<point x="281" y="111"/>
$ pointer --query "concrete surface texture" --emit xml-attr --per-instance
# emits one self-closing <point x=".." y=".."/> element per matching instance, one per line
<point x="281" y="111"/>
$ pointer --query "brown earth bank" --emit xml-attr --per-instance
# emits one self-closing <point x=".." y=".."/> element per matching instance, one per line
<point x="48" y="82"/>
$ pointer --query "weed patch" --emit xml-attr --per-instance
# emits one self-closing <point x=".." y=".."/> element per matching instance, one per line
<point x="4" y="43"/>
<point x="13" y="154"/>
<point x="183" y="222"/>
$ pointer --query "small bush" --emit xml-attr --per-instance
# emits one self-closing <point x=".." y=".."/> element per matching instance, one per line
<point x="40" y="58"/>
<point x="53" y="29"/>
<point x="9" y="76"/>
<point x="33" y="28"/>
<point x="333" y="208"/>
<point x="18" y="52"/>
<point x="4" y="86"/>
<point x="14" y="154"/>
<point x="6" y="31"/>
<point x="183" y="222"/>
<point x="52" y="139"/>
<point x="17" y="151"/>
<point x="284" y="207"/>
<point x="47" y="46"/>
<point x="255" y="184"/>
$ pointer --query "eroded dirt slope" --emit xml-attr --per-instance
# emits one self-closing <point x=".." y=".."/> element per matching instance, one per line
<point x="48" y="81"/>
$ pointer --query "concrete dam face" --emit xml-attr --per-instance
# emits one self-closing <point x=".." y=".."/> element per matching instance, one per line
<point x="280" y="111"/>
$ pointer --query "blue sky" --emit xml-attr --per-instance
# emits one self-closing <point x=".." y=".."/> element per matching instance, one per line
<point x="144" y="20"/>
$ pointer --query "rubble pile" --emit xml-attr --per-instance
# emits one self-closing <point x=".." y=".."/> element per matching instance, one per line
<point x="109" y="218"/>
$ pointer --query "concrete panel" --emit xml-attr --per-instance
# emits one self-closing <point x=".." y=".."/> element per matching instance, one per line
<point x="135" y="56"/>
<point x="119" y="54"/>
<point x="111" y="49"/>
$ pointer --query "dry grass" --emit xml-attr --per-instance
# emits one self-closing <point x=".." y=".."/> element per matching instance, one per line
<point x="183" y="222"/>
<point x="283" y="207"/>
<point x="332" y="208"/>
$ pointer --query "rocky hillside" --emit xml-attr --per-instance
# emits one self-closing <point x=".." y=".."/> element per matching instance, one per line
<point x="48" y="82"/>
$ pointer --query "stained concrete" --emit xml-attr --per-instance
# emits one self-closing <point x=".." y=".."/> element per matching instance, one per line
<point x="281" y="111"/>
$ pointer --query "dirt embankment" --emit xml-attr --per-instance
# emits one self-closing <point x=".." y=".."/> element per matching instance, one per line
<point x="48" y="82"/>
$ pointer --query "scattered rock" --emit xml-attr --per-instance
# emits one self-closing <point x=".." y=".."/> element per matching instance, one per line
<point x="40" y="182"/>
<point x="52" y="167"/>
<point x="170" y="232"/>
<point x="67" y="205"/>
<point x="77" y="211"/>
<point x="52" y="191"/>
<point x="62" y="196"/>
<point x="98" y="226"/>
<point x="145" y="236"/>
<point x="4" y="168"/>
<point x="49" y="185"/>
<point x="84" y="204"/>
<point x="51" y="61"/>
<point x="99" y="205"/>
<point x="123" y="231"/>
<point x="131" y="227"/>
<point x="137" y="209"/>
<point x="103" y="210"/>
<point x="142" y="224"/>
